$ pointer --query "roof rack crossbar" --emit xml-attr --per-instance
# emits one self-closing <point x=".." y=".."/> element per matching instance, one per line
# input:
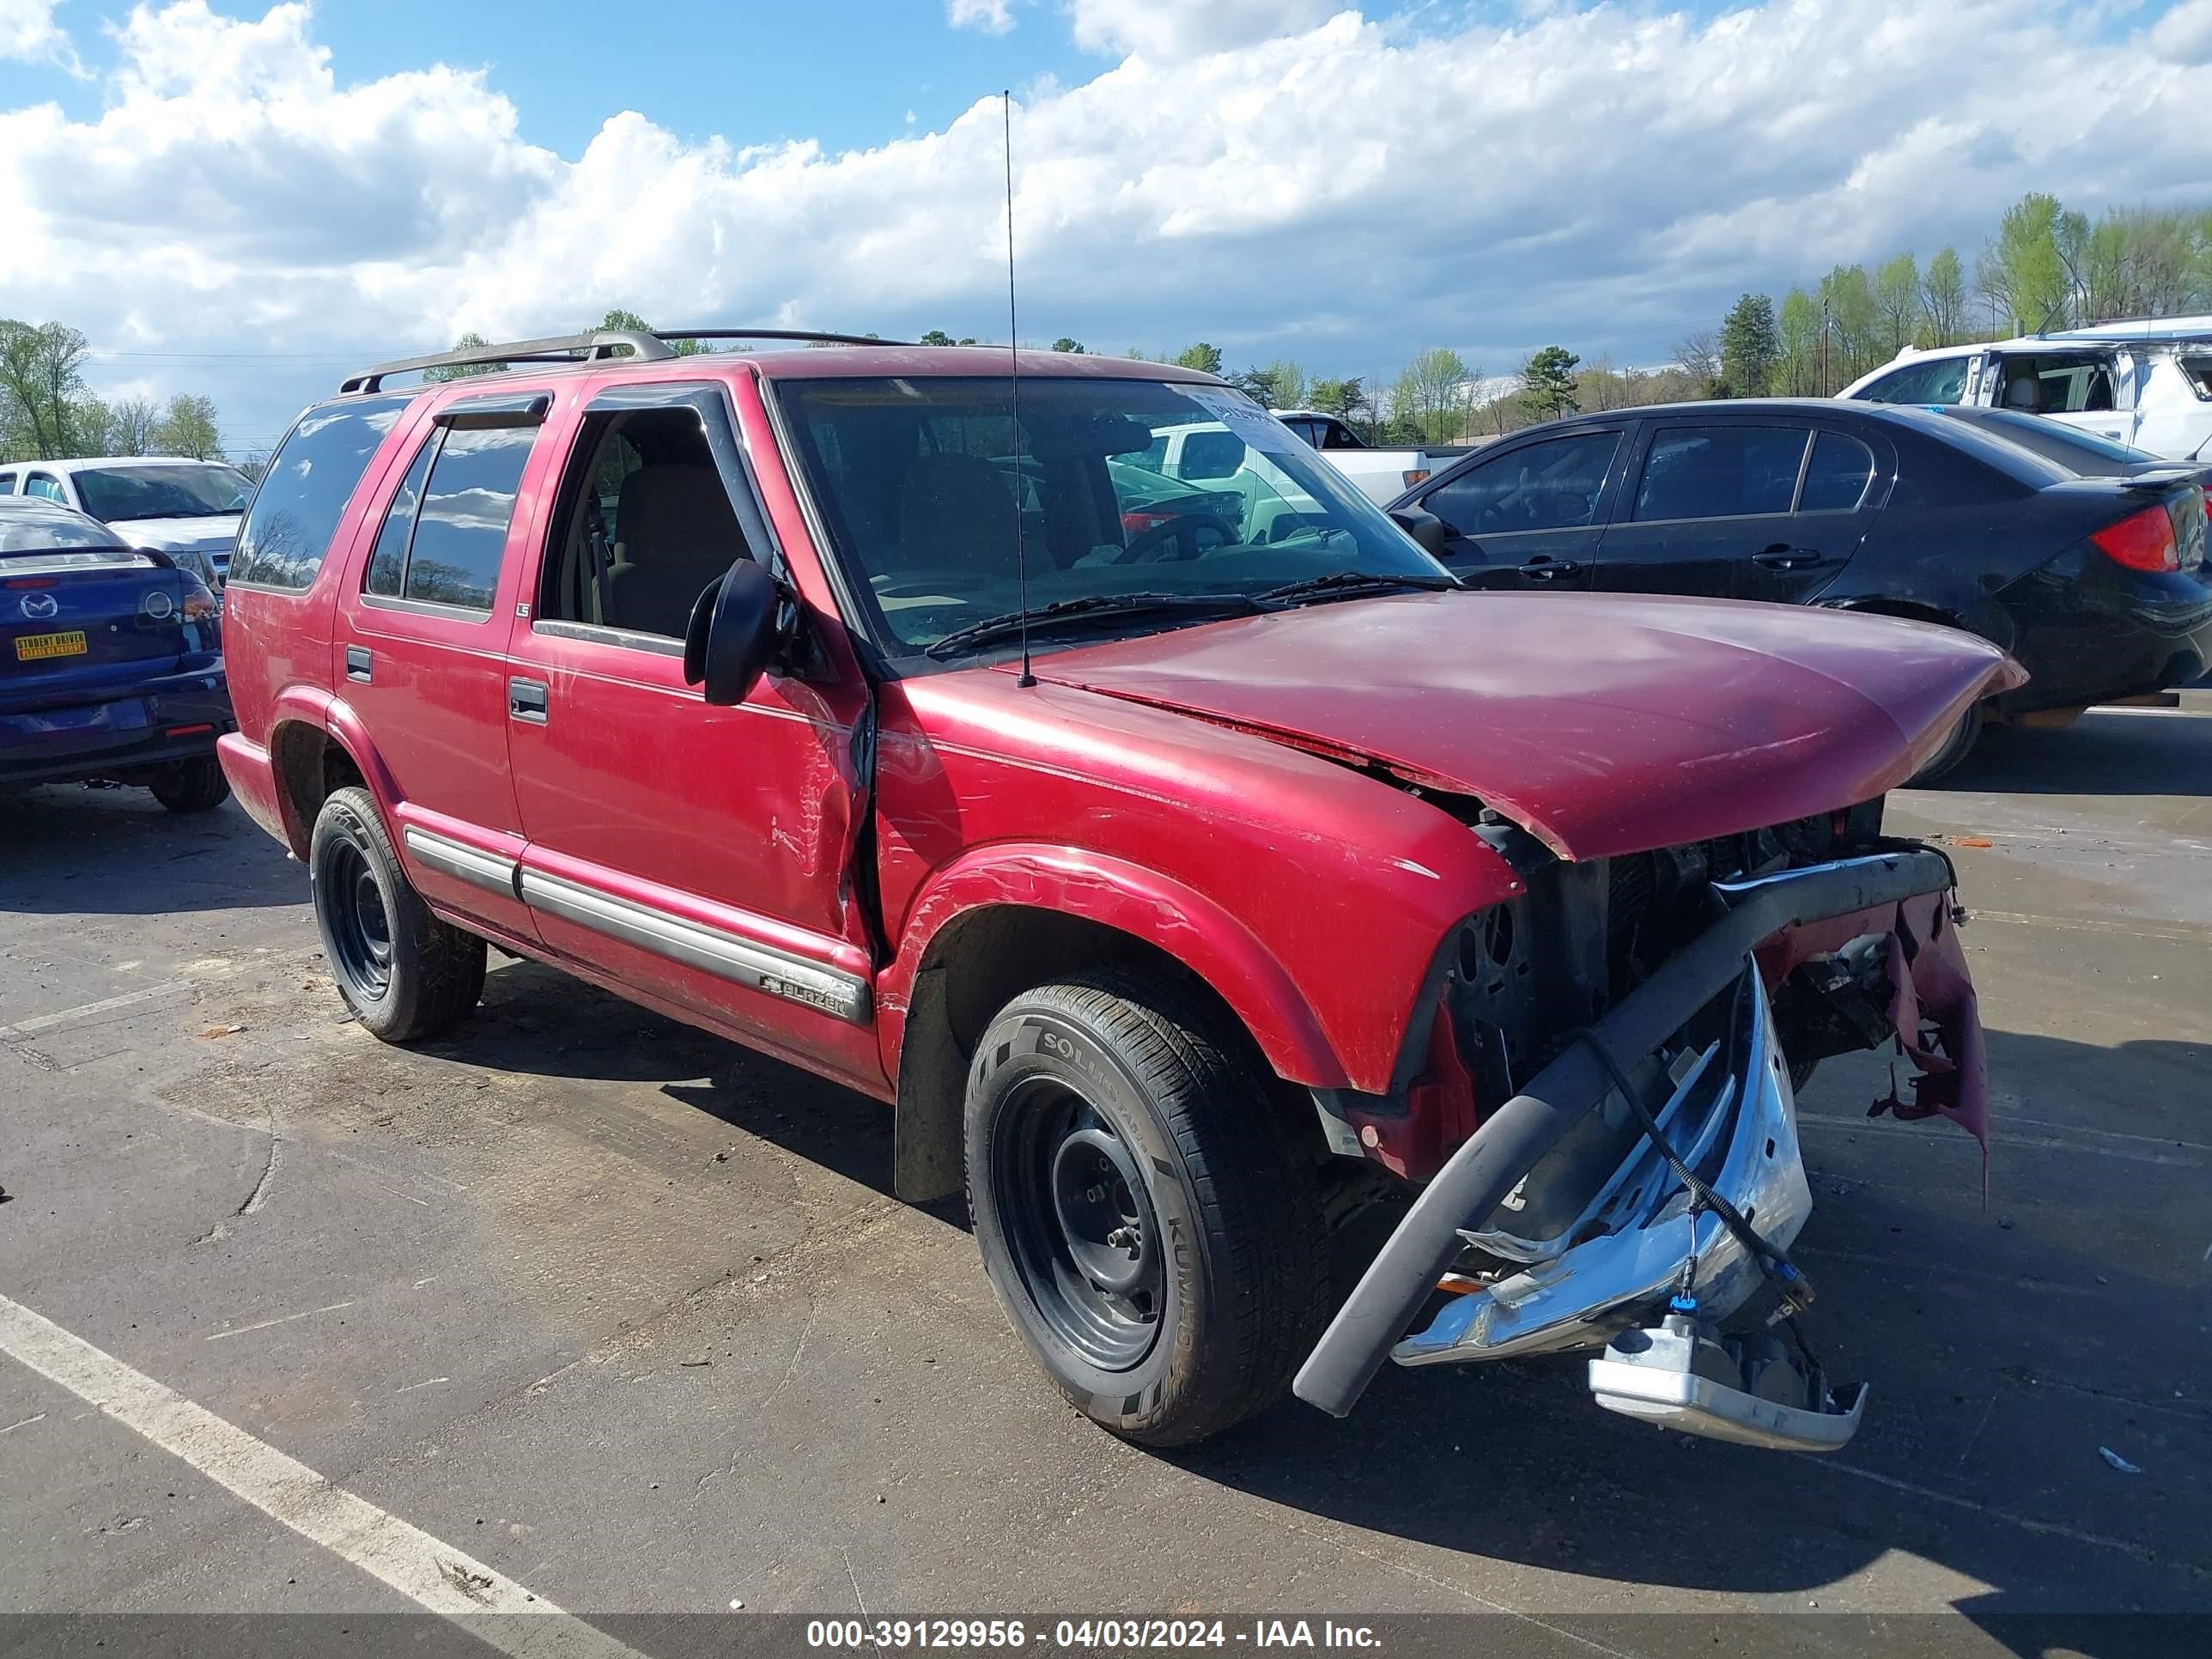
<point x="808" y="335"/>
<point x="599" y="344"/>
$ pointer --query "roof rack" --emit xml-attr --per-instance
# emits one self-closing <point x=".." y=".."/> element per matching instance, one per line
<point x="598" y="345"/>
<point x="809" y="336"/>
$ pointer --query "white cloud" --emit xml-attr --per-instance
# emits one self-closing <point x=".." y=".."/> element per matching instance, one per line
<point x="992" y="17"/>
<point x="1165" y="31"/>
<point x="2185" y="34"/>
<point x="27" y="30"/>
<point x="1608" y="178"/>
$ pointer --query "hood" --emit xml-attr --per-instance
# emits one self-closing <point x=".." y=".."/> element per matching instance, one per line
<point x="175" y="534"/>
<point x="1602" y="725"/>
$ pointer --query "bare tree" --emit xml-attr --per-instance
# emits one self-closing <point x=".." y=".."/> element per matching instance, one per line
<point x="1699" y="357"/>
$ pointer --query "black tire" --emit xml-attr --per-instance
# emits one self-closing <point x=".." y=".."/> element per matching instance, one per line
<point x="405" y="974"/>
<point x="1956" y="747"/>
<point x="191" y="785"/>
<point x="1121" y="1099"/>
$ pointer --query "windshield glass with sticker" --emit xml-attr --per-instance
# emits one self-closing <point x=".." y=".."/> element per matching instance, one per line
<point x="935" y="496"/>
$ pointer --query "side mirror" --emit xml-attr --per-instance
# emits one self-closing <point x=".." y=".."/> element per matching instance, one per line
<point x="1429" y="532"/>
<point x="732" y="637"/>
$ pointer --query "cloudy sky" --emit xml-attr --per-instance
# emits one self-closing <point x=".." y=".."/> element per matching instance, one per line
<point x="247" y="202"/>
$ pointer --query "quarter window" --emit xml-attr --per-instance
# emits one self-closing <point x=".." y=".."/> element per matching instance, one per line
<point x="1552" y="485"/>
<point x="295" y="512"/>
<point x="7" y="483"/>
<point x="1720" y="472"/>
<point x="461" y="527"/>
<point x="1837" y="476"/>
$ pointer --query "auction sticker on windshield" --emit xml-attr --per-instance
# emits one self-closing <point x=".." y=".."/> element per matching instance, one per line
<point x="1244" y="417"/>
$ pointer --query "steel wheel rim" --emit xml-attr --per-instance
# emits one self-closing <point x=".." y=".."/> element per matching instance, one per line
<point x="1079" y="1225"/>
<point x="360" y="924"/>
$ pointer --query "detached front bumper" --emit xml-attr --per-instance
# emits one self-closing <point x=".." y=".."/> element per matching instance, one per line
<point x="1730" y="1117"/>
<point x="1739" y="1130"/>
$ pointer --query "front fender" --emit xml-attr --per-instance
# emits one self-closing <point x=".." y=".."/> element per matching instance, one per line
<point x="1188" y="925"/>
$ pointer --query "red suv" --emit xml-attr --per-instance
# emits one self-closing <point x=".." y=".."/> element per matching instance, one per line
<point x="1187" y="864"/>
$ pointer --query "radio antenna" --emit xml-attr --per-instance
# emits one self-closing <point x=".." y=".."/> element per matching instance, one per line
<point x="1014" y="358"/>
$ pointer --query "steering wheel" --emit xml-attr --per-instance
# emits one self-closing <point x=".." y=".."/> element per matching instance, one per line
<point x="1183" y="530"/>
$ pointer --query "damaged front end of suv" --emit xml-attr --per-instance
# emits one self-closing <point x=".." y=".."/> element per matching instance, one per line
<point x="1601" y="1117"/>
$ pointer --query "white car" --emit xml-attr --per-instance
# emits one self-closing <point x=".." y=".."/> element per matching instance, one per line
<point x="1383" y="475"/>
<point x="2153" y="390"/>
<point x="173" y="504"/>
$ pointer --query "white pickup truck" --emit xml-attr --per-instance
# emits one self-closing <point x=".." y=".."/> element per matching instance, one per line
<point x="1383" y="475"/>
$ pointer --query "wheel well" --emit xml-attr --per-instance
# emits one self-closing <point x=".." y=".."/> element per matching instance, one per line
<point x="1904" y="610"/>
<point x="976" y="965"/>
<point x="309" y="763"/>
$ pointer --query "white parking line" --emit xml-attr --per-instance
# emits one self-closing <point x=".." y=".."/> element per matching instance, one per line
<point x="434" y="1574"/>
<point x="23" y="1028"/>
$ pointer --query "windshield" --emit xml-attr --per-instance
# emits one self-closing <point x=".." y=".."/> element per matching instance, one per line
<point x="35" y="531"/>
<point x="1124" y="486"/>
<point x="161" y="492"/>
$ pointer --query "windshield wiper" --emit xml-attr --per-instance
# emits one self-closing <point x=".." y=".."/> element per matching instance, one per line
<point x="1356" y="581"/>
<point x="1090" y="608"/>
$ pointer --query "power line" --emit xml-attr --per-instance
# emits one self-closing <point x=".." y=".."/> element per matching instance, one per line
<point x="104" y="353"/>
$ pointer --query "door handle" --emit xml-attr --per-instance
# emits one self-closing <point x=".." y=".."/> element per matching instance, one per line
<point x="1781" y="557"/>
<point x="526" y="701"/>
<point x="1545" y="570"/>
<point x="359" y="663"/>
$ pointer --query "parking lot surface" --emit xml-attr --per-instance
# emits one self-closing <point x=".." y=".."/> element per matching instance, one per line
<point x="592" y="1307"/>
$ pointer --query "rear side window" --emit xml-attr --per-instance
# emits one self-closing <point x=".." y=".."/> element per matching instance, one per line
<point x="46" y="486"/>
<point x="7" y="483"/>
<point x="288" y="527"/>
<point x="1720" y="472"/>
<point x="389" y="561"/>
<point x="2051" y="384"/>
<point x="2199" y="370"/>
<point x="1837" y="476"/>
<point x="467" y="501"/>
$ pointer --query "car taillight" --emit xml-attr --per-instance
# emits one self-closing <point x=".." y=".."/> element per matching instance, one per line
<point x="200" y="604"/>
<point x="2141" y="541"/>
<point x="1414" y="475"/>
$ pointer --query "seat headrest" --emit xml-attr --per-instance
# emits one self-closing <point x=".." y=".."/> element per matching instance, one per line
<point x="675" y="506"/>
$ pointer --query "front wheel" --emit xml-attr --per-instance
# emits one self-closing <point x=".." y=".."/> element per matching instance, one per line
<point x="403" y="973"/>
<point x="193" y="786"/>
<point x="1956" y="747"/>
<point x="1148" y="1214"/>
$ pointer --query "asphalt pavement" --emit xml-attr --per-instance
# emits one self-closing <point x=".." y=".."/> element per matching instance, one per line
<point x="579" y="1308"/>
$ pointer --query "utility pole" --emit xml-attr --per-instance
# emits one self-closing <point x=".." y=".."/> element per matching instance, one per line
<point x="1825" y="387"/>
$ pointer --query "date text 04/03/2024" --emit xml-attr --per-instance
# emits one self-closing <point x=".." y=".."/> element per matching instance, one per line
<point x="1110" y="1634"/>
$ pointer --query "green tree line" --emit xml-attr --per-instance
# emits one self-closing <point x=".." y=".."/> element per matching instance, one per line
<point x="2047" y="267"/>
<point x="47" y="413"/>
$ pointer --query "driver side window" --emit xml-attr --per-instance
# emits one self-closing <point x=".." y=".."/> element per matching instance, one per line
<point x="1552" y="485"/>
<point x="646" y="525"/>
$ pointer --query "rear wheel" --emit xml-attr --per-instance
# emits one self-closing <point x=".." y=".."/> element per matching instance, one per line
<point x="1956" y="747"/>
<point x="403" y="973"/>
<point x="1148" y="1215"/>
<point x="191" y="785"/>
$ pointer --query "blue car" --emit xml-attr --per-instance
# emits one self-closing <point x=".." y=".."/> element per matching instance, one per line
<point x="111" y="660"/>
